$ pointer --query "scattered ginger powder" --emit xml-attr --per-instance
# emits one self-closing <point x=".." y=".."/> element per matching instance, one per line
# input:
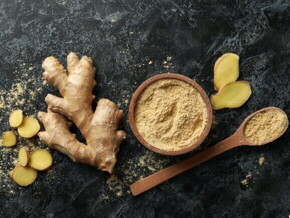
<point x="170" y="114"/>
<point x="265" y="125"/>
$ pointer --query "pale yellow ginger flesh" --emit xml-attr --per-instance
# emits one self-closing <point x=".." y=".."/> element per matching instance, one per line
<point x="9" y="139"/>
<point x="40" y="159"/>
<point x="23" y="176"/>
<point x="99" y="127"/>
<point x="16" y="118"/>
<point x="226" y="70"/>
<point x="29" y="127"/>
<point x="232" y="95"/>
<point x="23" y="156"/>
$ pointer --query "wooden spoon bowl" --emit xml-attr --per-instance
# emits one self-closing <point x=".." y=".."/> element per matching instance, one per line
<point x="133" y="104"/>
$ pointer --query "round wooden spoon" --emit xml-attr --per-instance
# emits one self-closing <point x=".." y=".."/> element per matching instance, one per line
<point x="235" y="140"/>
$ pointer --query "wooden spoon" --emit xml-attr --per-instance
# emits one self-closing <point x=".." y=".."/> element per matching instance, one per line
<point x="235" y="140"/>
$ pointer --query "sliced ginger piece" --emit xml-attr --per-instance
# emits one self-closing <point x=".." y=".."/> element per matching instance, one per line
<point x="226" y="70"/>
<point x="29" y="127"/>
<point x="9" y="139"/>
<point x="23" y="156"/>
<point x="40" y="159"/>
<point x="23" y="176"/>
<point x="232" y="95"/>
<point x="16" y="118"/>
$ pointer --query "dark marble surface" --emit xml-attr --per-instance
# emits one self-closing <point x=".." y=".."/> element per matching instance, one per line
<point x="130" y="41"/>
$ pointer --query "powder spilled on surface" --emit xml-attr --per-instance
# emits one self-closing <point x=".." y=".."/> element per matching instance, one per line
<point x="261" y="160"/>
<point x="246" y="181"/>
<point x="265" y="125"/>
<point x="131" y="170"/>
<point x="23" y="92"/>
<point x="170" y="114"/>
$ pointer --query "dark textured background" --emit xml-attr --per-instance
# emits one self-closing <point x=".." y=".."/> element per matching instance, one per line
<point x="122" y="37"/>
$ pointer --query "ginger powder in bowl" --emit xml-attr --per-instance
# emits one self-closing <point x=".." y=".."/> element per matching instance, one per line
<point x="170" y="114"/>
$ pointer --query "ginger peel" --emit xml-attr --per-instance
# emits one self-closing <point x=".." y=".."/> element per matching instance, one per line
<point x="99" y="127"/>
<point x="226" y="70"/>
<point x="23" y="156"/>
<point x="232" y="95"/>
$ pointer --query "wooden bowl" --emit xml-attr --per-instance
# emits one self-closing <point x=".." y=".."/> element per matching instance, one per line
<point x="184" y="79"/>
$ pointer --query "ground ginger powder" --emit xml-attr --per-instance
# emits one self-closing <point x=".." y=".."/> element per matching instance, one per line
<point x="170" y="114"/>
<point x="265" y="125"/>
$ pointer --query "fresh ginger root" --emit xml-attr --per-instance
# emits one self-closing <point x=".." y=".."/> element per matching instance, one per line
<point x="226" y="70"/>
<point x="40" y="159"/>
<point x="9" y="139"/>
<point x="29" y="127"/>
<point x="99" y="128"/>
<point x="23" y="156"/>
<point x="16" y="118"/>
<point x="23" y="176"/>
<point x="232" y="95"/>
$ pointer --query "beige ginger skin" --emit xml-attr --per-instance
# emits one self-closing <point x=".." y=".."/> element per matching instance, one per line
<point x="99" y="127"/>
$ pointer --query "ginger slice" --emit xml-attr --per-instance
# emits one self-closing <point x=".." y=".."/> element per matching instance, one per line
<point x="29" y="127"/>
<point x="23" y="156"/>
<point x="23" y="176"/>
<point x="40" y="159"/>
<point x="232" y="95"/>
<point x="226" y="70"/>
<point x="16" y="118"/>
<point x="9" y="139"/>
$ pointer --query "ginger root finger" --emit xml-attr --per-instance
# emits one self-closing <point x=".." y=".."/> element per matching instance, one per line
<point x="16" y="118"/>
<point x="40" y="159"/>
<point x="23" y="176"/>
<point x="57" y="135"/>
<point x="226" y="70"/>
<point x="23" y="156"/>
<point x="232" y="95"/>
<point x="55" y="73"/>
<point x="29" y="127"/>
<point x="9" y="139"/>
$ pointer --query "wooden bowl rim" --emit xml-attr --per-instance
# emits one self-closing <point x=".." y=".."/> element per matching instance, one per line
<point x="143" y="86"/>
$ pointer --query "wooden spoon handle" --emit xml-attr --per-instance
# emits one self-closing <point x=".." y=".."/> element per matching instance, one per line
<point x="159" y="177"/>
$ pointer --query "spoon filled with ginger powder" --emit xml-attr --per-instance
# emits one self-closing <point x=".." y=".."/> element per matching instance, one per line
<point x="172" y="114"/>
<point x="265" y="125"/>
<point x="260" y="128"/>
